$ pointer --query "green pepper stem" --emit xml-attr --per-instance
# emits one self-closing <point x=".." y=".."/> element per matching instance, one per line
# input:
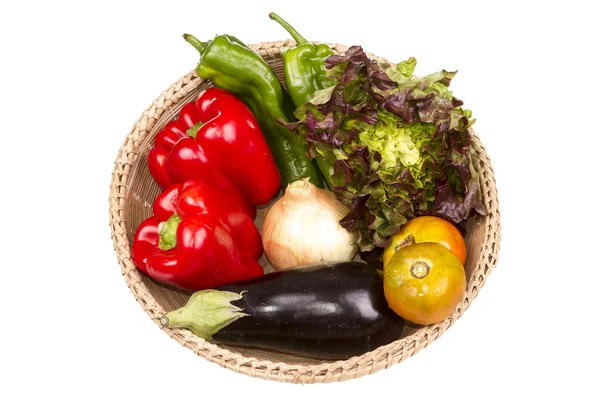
<point x="191" y="39"/>
<point x="167" y="232"/>
<point x="193" y="131"/>
<point x="295" y="35"/>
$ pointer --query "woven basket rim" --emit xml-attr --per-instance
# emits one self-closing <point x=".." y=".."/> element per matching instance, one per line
<point x="368" y="363"/>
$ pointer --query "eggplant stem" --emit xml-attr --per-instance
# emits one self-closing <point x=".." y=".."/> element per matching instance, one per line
<point x="205" y="313"/>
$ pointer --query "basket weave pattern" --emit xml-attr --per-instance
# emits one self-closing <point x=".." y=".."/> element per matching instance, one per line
<point x="133" y="190"/>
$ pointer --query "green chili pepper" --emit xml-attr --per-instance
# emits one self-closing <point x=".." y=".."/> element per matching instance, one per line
<point x="232" y="66"/>
<point x="305" y="73"/>
<point x="304" y="65"/>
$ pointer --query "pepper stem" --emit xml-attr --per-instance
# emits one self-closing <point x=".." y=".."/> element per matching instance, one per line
<point x="191" y="39"/>
<point x="193" y="131"/>
<point x="205" y="313"/>
<point x="295" y="35"/>
<point x="167" y="232"/>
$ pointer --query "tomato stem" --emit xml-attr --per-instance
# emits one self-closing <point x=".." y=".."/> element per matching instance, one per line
<point x="419" y="269"/>
<point x="407" y="241"/>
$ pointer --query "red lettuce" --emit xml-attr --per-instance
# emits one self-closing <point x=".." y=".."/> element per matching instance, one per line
<point x="399" y="145"/>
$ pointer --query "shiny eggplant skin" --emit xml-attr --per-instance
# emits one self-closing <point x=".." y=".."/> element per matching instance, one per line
<point x="326" y="311"/>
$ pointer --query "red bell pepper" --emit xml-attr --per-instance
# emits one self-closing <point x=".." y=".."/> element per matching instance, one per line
<point x="219" y="182"/>
<point x="198" y="238"/>
<point x="216" y="132"/>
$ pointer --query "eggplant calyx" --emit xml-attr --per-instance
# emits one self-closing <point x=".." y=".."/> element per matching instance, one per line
<point x="205" y="313"/>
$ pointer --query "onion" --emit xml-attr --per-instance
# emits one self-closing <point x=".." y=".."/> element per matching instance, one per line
<point x="302" y="228"/>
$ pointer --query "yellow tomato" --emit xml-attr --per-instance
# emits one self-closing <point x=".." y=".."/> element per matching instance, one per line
<point x="428" y="229"/>
<point x="424" y="282"/>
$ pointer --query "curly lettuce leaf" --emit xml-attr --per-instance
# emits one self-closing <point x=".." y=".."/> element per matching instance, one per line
<point x="399" y="145"/>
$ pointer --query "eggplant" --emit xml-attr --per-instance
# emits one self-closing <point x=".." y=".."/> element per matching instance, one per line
<point x="328" y="311"/>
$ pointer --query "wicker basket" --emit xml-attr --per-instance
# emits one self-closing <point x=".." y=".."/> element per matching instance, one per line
<point x="133" y="190"/>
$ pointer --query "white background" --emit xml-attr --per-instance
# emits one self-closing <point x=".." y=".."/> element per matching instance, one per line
<point x="76" y="76"/>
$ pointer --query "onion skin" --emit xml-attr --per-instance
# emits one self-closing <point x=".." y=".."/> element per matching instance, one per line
<point x="302" y="228"/>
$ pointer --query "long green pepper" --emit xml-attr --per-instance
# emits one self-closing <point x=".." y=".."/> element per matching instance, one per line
<point x="305" y="73"/>
<point x="232" y="66"/>
<point x="304" y="65"/>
